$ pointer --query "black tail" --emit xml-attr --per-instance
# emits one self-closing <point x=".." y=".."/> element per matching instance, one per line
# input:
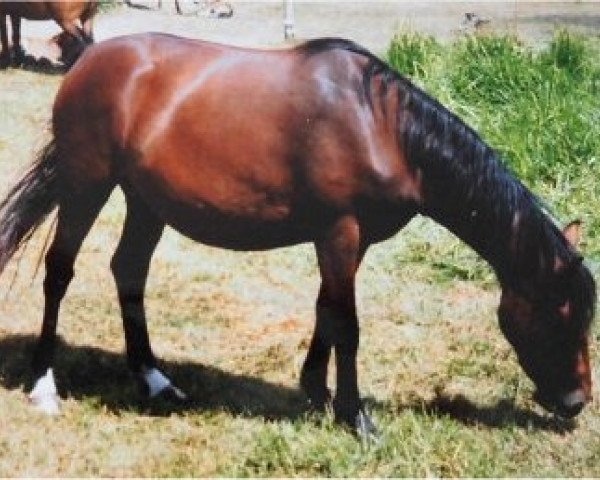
<point x="28" y="203"/>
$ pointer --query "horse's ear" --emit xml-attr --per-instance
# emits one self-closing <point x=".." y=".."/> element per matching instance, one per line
<point x="572" y="232"/>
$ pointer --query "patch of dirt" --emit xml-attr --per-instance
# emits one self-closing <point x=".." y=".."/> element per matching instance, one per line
<point x="372" y="24"/>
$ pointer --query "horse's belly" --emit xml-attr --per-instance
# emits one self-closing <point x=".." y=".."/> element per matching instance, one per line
<point x="220" y="230"/>
<point x="250" y="228"/>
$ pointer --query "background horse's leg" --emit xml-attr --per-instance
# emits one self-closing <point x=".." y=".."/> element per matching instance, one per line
<point x="76" y="216"/>
<point x="130" y="265"/>
<point x="15" y="22"/>
<point x="5" y="54"/>
<point x="87" y="26"/>
<point x="75" y="49"/>
<point x="340" y="253"/>
<point x="178" y="8"/>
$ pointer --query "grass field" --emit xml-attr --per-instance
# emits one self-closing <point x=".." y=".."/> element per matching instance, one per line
<point x="232" y="328"/>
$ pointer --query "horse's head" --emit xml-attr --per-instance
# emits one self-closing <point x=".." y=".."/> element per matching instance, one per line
<point x="549" y="331"/>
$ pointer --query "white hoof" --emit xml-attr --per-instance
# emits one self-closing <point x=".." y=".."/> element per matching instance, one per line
<point x="157" y="383"/>
<point x="44" y="396"/>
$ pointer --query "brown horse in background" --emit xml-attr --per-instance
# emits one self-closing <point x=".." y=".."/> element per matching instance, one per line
<point x="325" y="144"/>
<point x="65" y="13"/>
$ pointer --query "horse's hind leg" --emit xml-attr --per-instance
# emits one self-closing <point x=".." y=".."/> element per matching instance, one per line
<point x="130" y="264"/>
<point x="76" y="216"/>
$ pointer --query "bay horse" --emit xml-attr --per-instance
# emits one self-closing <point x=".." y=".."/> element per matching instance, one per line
<point x="325" y="144"/>
<point x="65" y="13"/>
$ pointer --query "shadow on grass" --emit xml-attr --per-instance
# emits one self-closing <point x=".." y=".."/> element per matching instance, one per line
<point x="92" y="373"/>
<point x="501" y="415"/>
<point x="39" y="65"/>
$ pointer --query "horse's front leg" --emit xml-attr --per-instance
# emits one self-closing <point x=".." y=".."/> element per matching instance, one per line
<point x="130" y="265"/>
<point x="339" y="252"/>
<point x="313" y="378"/>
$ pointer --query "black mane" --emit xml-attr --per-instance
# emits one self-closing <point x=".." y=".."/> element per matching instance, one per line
<point x="468" y="189"/>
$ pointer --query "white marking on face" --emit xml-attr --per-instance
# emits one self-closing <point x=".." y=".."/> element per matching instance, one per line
<point x="44" y="395"/>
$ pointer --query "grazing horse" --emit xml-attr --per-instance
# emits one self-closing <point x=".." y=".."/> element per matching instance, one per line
<point x="65" y="13"/>
<point x="325" y="144"/>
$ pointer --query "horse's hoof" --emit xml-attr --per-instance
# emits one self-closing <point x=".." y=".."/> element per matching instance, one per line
<point x="355" y="418"/>
<point x="43" y="396"/>
<point x="47" y="404"/>
<point x="172" y="394"/>
<point x="156" y="384"/>
<point x="365" y="428"/>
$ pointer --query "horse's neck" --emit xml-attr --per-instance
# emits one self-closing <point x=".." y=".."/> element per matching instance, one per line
<point x="458" y="172"/>
<point x="466" y="188"/>
<point x="501" y="223"/>
<point x="493" y="245"/>
<point x="524" y="253"/>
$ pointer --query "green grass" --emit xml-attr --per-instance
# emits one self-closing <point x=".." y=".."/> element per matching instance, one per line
<point x="414" y="443"/>
<point x="232" y="329"/>
<point x="108" y="5"/>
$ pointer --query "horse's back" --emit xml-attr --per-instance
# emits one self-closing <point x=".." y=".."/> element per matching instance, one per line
<point x="150" y="83"/>
<point x="217" y="134"/>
